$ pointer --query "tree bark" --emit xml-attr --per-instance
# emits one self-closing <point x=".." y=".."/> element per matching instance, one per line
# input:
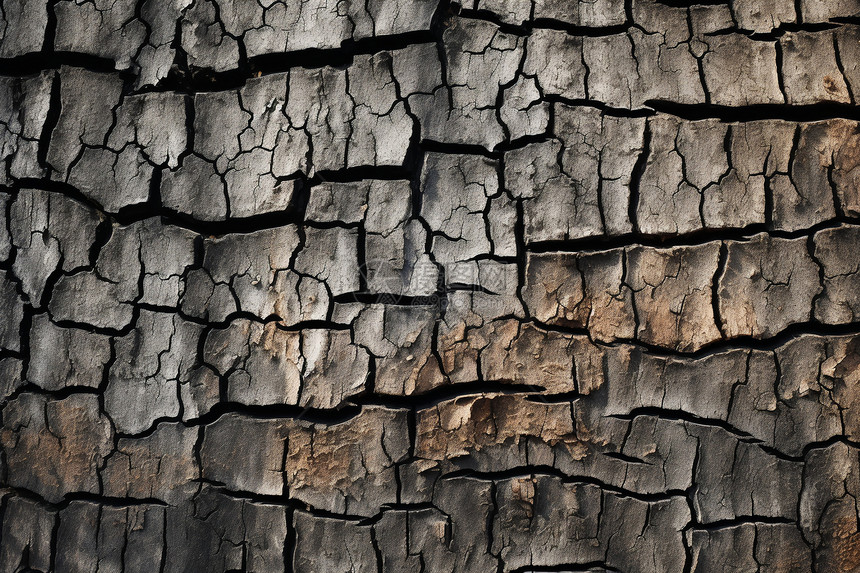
<point x="414" y="286"/>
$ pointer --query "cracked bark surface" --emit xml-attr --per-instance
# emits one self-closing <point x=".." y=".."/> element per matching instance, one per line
<point x="410" y="285"/>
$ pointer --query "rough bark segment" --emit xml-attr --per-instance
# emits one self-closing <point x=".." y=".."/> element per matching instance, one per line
<point x="525" y="354"/>
<point x="347" y="468"/>
<point x="508" y="425"/>
<point x="659" y="543"/>
<point x="253" y="117"/>
<point x="828" y="519"/>
<point x="581" y="292"/>
<point x="670" y="189"/>
<point x="335" y="368"/>
<point x="566" y="181"/>
<point x="76" y="21"/>
<point x="811" y="82"/>
<point x="811" y="415"/>
<point x="763" y="16"/>
<point x="635" y="379"/>
<point x="78" y="142"/>
<point x="522" y="112"/>
<point x="219" y="533"/>
<point x="822" y="370"/>
<point x="48" y="232"/>
<point x="261" y="363"/>
<point x="155" y="122"/>
<point x="672" y="293"/>
<point x="591" y="14"/>
<point x="755" y="79"/>
<point x="815" y="11"/>
<point x="103" y="297"/>
<point x="204" y="39"/>
<point x="353" y="553"/>
<point x="760" y="157"/>
<point x="767" y="285"/>
<point x="760" y="547"/>
<point x="214" y="292"/>
<point x="806" y="198"/>
<point x="160" y="466"/>
<point x="13" y="305"/>
<point x="555" y="58"/>
<point x="628" y="70"/>
<point x="244" y="454"/>
<point x="53" y="447"/>
<point x="11" y="370"/>
<point x="110" y="537"/>
<point x="761" y="485"/>
<point x="427" y="544"/>
<point x="381" y="128"/>
<point x="280" y="460"/>
<point x="454" y="537"/>
<point x="62" y="357"/>
<point x="544" y="522"/>
<point x="151" y="361"/>
<point x="77" y="538"/>
<point x="467" y="505"/>
<point x="846" y="157"/>
<point x="468" y="334"/>
<point x="705" y="174"/>
<point x="28" y="533"/>
<point x="5" y="234"/>
<point x="457" y="222"/>
<point x="400" y="340"/>
<point x="516" y="432"/>
<point x="264" y="365"/>
<point x="834" y="250"/>
<point x="847" y="45"/>
<point x="195" y="189"/>
<point x="26" y="102"/>
<point x="331" y="257"/>
<point x="480" y="59"/>
<point x="23" y="24"/>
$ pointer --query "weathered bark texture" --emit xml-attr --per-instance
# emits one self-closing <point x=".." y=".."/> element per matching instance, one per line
<point x="400" y="286"/>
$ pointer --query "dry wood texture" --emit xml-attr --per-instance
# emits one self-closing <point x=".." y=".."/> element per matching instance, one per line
<point x="331" y="286"/>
